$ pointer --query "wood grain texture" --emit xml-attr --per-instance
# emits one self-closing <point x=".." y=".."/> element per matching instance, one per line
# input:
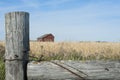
<point x="90" y="70"/>
<point x="17" y="44"/>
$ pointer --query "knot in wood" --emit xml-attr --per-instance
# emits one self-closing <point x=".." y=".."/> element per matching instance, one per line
<point x="16" y="56"/>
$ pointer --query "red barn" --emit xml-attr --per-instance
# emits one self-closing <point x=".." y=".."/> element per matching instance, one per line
<point x="46" y="38"/>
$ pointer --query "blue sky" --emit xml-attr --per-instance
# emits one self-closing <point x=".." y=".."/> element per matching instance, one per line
<point x="68" y="20"/>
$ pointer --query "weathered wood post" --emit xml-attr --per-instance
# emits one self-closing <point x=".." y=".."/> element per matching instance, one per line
<point x="17" y="45"/>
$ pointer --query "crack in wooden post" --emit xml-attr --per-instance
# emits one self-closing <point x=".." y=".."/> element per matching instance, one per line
<point x="69" y="70"/>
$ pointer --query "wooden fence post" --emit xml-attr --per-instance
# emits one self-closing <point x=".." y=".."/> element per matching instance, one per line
<point x="17" y="45"/>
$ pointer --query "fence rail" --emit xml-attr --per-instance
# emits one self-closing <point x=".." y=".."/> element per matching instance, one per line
<point x="74" y="70"/>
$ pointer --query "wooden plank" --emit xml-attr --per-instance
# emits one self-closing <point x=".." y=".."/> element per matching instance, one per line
<point x="17" y="45"/>
<point x="95" y="70"/>
<point x="98" y="69"/>
<point x="48" y="70"/>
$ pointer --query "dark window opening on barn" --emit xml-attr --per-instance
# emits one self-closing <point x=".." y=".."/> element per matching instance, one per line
<point x="46" y="38"/>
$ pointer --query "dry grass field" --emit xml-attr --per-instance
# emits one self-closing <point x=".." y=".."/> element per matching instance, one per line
<point x="74" y="50"/>
<point x="2" y="49"/>
<point x="2" y="65"/>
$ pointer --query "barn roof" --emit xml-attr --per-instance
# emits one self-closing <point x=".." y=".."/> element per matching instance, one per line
<point x="45" y="35"/>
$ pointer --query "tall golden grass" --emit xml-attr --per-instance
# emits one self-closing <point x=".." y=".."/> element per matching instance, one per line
<point x="2" y="64"/>
<point x="2" y="49"/>
<point x="74" y="50"/>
